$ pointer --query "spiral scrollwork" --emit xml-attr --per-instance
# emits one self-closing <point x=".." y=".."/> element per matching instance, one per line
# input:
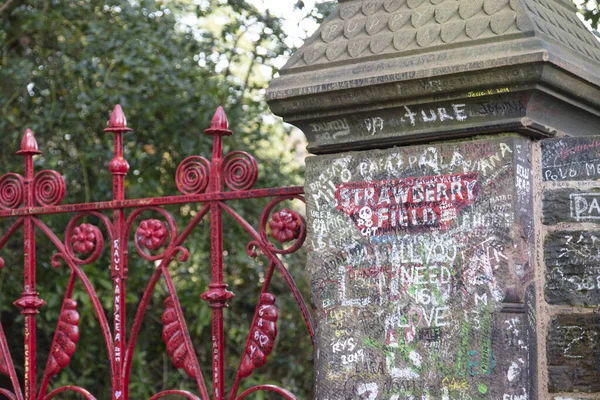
<point x="49" y="188"/>
<point x="240" y="170"/>
<point x="193" y="175"/>
<point x="11" y="191"/>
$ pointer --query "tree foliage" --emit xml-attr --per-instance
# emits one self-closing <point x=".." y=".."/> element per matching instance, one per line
<point x="63" y="65"/>
<point x="590" y="9"/>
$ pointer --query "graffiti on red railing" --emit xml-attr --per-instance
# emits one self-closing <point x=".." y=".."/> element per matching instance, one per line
<point x="262" y="336"/>
<point x="211" y="183"/>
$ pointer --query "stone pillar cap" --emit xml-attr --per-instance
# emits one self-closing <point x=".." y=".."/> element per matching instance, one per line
<point x="378" y="54"/>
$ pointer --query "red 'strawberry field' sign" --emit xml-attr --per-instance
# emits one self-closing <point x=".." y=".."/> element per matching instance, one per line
<point x="409" y="204"/>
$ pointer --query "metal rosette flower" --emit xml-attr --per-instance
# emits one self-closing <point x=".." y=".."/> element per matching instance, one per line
<point x="153" y="235"/>
<point x="11" y="191"/>
<point x="286" y="226"/>
<point x="192" y="175"/>
<point x="84" y="242"/>
<point x="83" y="239"/>
<point x="49" y="188"/>
<point x="240" y="170"/>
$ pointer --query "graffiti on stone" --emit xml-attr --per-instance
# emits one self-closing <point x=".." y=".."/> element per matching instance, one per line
<point x="411" y="204"/>
<point x="573" y="267"/>
<point x="571" y="159"/>
<point x="571" y="205"/>
<point x="411" y="257"/>
<point x="585" y="206"/>
<point x="407" y="119"/>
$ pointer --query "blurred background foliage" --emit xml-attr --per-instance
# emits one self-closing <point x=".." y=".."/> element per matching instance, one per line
<point x="590" y="11"/>
<point x="63" y="65"/>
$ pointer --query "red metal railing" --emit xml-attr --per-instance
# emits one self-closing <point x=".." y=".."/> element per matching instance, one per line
<point x="211" y="183"/>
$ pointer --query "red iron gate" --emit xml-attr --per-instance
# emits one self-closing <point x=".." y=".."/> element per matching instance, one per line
<point x="210" y="183"/>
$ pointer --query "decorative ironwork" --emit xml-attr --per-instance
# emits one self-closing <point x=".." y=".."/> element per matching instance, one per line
<point x="65" y="339"/>
<point x="30" y="196"/>
<point x="285" y="225"/>
<point x="262" y="336"/>
<point x="179" y="345"/>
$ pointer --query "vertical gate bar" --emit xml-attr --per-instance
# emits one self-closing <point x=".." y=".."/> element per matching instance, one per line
<point x="29" y="303"/>
<point x="118" y="168"/>
<point x="30" y="329"/>
<point x="218" y="334"/>
<point x="217" y="295"/>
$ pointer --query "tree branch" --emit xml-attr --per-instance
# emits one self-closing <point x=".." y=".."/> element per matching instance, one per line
<point x="5" y="6"/>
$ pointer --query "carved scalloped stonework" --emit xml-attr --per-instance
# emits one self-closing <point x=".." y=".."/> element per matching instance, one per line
<point x="365" y="28"/>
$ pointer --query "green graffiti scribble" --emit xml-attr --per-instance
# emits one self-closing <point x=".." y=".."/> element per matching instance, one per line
<point x="389" y="358"/>
<point x="463" y="350"/>
<point x="412" y="289"/>
<point x="487" y="365"/>
<point x="369" y="342"/>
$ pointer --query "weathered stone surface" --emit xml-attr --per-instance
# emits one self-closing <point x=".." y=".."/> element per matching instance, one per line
<point x="571" y="159"/>
<point x="391" y="124"/>
<point x="418" y="257"/>
<point x="567" y="398"/>
<point x="573" y="351"/>
<point x="573" y="267"/>
<point x="422" y="24"/>
<point x="533" y="342"/>
<point x="571" y="205"/>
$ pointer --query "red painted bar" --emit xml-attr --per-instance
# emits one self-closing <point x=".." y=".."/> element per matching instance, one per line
<point x="154" y="201"/>
<point x="29" y="303"/>
<point x="217" y="295"/>
<point x="118" y="168"/>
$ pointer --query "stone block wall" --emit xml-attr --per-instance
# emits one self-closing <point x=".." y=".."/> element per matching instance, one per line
<point x="570" y="266"/>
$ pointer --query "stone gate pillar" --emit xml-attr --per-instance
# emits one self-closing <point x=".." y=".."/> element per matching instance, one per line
<point x="453" y="251"/>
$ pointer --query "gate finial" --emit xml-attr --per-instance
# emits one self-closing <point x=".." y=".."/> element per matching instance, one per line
<point x="117" y="121"/>
<point x="219" y="124"/>
<point x="117" y="118"/>
<point x="29" y="145"/>
<point x="118" y="124"/>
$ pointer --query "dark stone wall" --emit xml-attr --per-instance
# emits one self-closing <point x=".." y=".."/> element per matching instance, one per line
<point x="571" y="159"/>
<point x="571" y="211"/>
<point x="418" y="261"/>
<point x="573" y="267"/>
<point x="574" y="353"/>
